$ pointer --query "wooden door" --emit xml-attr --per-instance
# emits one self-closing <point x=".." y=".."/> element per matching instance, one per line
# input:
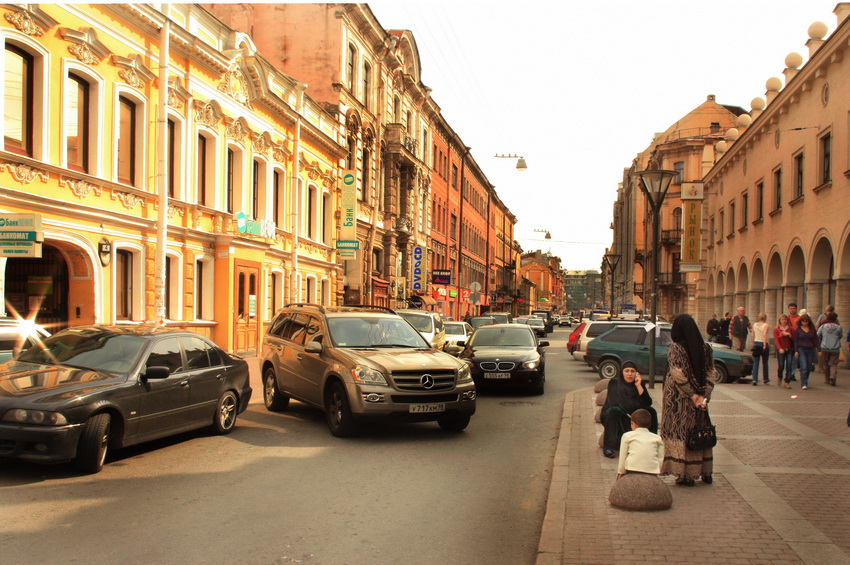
<point x="246" y="303"/>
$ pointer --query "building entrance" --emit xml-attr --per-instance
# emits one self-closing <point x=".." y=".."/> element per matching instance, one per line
<point x="38" y="288"/>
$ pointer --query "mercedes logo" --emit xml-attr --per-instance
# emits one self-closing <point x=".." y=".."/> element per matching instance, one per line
<point x="427" y="381"/>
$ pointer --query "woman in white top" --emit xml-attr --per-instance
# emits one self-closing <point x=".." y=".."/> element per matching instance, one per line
<point x="761" y="349"/>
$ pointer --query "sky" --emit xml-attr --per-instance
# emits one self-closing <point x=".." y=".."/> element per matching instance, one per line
<point x="579" y="89"/>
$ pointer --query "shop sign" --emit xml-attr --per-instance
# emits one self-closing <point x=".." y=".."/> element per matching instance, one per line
<point x="418" y="282"/>
<point x="20" y="235"/>
<point x="263" y="228"/>
<point x="348" y="202"/>
<point x="441" y="276"/>
<point x="691" y="221"/>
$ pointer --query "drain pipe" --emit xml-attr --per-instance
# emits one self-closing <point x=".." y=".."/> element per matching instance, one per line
<point x="162" y="168"/>
<point x="295" y="189"/>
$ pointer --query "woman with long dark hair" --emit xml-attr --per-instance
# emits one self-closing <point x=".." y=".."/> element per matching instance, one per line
<point x="687" y="390"/>
<point x="806" y="344"/>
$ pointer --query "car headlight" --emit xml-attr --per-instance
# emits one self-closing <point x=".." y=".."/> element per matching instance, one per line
<point x="533" y="364"/>
<point x="38" y="417"/>
<point x="464" y="375"/>
<point x="368" y="376"/>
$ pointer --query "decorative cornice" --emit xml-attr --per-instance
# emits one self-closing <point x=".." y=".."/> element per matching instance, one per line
<point x="81" y="188"/>
<point x="86" y="47"/>
<point x="177" y="95"/>
<point x="208" y="113"/>
<point x="133" y="71"/>
<point x="237" y="128"/>
<point x="24" y="173"/>
<point x="128" y="199"/>
<point x="30" y="20"/>
<point x="236" y="85"/>
<point x="261" y="143"/>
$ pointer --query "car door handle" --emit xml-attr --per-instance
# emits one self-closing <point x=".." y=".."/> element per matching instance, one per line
<point x="219" y="376"/>
<point x="299" y="357"/>
<point x="184" y="383"/>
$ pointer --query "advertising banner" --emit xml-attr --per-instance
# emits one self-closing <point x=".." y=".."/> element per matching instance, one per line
<point x="691" y="222"/>
<point x="348" y="209"/>
<point x="418" y="281"/>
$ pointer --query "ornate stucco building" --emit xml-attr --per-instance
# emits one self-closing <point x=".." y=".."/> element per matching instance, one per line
<point x="169" y="171"/>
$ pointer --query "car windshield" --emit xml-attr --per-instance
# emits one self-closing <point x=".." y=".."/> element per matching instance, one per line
<point x="454" y="329"/>
<point x="535" y="322"/>
<point x="86" y="349"/>
<point x="374" y="332"/>
<point x="422" y="322"/>
<point x="502" y="337"/>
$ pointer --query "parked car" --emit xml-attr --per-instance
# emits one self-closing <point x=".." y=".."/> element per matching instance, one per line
<point x="429" y="324"/>
<point x="362" y="362"/>
<point x="537" y="324"/>
<point x="457" y="333"/>
<point x="87" y="389"/>
<point x="631" y="342"/>
<point x="478" y="321"/>
<point x="591" y="329"/>
<point x="547" y="319"/>
<point x="565" y="321"/>
<point x="507" y="355"/>
<point x="572" y="341"/>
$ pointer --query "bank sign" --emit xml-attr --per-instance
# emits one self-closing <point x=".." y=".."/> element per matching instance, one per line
<point x="263" y="228"/>
<point x="348" y="229"/>
<point x="419" y="269"/>
<point x="20" y="235"/>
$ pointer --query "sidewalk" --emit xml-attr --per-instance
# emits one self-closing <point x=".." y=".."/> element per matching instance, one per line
<point x="781" y="491"/>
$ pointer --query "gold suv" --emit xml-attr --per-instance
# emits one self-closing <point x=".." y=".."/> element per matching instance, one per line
<point x="362" y="362"/>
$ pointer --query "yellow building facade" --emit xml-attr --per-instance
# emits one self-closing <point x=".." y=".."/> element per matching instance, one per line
<point x="201" y="193"/>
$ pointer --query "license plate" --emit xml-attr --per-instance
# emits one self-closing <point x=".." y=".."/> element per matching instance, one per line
<point x="427" y="408"/>
<point x="497" y="375"/>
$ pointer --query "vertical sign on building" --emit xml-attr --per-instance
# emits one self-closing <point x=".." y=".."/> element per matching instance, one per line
<point x="692" y="195"/>
<point x="348" y="244"/>
<point x="419" y="270"/>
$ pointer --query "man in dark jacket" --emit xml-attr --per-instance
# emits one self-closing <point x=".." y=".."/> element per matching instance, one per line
<point x="740" y="330"/>
<point x="723" y="334"/>
<point x="713" y="328"/>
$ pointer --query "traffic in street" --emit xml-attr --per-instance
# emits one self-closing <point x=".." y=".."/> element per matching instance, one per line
<point x="280" y="489"/>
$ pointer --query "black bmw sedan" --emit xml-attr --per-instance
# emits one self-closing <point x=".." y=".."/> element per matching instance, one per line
<point x="90" y="388"/>
<point x="506" y="355"/>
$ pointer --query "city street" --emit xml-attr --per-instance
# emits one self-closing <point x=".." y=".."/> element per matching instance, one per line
<point x="281" y="489"/>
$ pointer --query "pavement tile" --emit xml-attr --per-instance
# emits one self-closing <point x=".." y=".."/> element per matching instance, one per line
<point x="779" y="497"/>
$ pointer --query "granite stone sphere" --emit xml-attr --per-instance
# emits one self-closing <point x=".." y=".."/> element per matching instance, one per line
<point x="773" y="84"/>
<point x="793" y="60"/>
<point x="639" y="491"/>
<point x="818" y="30"/>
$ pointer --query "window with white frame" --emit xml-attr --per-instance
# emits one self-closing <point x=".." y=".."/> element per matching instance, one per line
<point x="825" y="150"/>
<point x="311" y="289"/>
<point x="205" y="169"/>
<point x="352" y="66"/>
<point x="233" y="179"/>
<point x="798" y="175"/>
<point x="274" y="293"/>
<point x="128" y="284"/>
<point x="129" y="156"/>
<point x="18" y="100"/>
<point x="278" y="198"/>
<point x="679" y="167"/>
<point x="312" y="211"/>
<point x="204" y="288"/>
<point x="327" y="219"/>
<point x="77" y="122"/>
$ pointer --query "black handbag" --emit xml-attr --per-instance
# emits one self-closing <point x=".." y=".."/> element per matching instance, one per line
<point x="704" y="434"/>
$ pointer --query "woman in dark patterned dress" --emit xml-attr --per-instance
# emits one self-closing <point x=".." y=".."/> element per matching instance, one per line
<point x="687" y="389"/>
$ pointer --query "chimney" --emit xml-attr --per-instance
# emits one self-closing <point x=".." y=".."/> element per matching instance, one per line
<point x="842" y="10"/>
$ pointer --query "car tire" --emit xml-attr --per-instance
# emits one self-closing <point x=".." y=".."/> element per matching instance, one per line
<point x="454" y="423"/>
<point x="722" y="374"/>
<point x="338" y="411"/>
<point x="225" y="413"/>
<point x="608" y="369"/>
<point x="94" y="442"/>
<point x="274" y="400"/>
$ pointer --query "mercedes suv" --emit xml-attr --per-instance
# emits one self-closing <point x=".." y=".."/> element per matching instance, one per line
<point x="362" y="362"/>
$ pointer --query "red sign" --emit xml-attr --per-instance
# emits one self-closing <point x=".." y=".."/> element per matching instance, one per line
<point x="464" y="294"/>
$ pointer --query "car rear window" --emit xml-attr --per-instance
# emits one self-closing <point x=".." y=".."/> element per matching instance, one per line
<point x="625" y="335"/>
<point x="598" y="329"/>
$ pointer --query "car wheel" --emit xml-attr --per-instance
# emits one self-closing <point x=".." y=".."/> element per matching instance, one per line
<point x="94" y="441"/>
<point x="722" y="374"/>
<point x="340" y="421"/>
<point x="608" y="369"/>
<point x="274" y="400"/>
<point x="225" y="413"/>
<point x="454" y="423"/>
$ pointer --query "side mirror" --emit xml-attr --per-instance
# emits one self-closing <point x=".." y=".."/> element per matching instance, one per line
<point x="313" y="347"/>
<point x="156" y="372"/>
<point x="543" y="343"/>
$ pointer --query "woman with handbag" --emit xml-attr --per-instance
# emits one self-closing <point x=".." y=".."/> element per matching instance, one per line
<point x="806" y="344"/>
<point x="687" y="391"/>
<point x="761" y="349"/>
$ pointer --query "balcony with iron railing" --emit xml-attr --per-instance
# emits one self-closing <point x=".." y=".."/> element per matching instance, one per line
<point x="638" y="288"/>
<point x="671" y="237"/>
<point x="689" y="133"/>
<point x="671" y="279"/>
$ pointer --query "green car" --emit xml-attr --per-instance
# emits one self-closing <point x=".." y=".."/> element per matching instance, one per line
<point x="608" y="351"/>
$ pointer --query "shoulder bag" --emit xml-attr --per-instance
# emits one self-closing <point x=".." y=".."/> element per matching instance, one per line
<point x="703" y="435"/>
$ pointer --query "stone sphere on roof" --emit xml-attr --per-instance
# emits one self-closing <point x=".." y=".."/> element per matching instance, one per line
<point x="793" y="60"/>
<point x="818" y="30"/>
<point x="744" y="120"/>
<point x="720" y="146"/>
<point x="773" y="84"/>
<point x="757" y="103"/>
<point x="732" y="134"/>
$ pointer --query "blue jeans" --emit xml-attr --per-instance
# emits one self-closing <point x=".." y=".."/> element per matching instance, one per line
<point x="794" y="364"/>
<point x="806" y="357"/>
<point x="784" y="360"/>
<point x="761" y="358"/>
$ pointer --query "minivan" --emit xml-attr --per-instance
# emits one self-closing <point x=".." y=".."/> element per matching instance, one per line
<point x="427" y="323"/>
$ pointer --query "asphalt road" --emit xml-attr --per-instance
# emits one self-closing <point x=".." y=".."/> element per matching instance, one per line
<point x="281" y="489"/>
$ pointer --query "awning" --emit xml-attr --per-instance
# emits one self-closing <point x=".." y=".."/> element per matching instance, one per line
<point x="423" y="299"/>
<point x="543" y="299"/>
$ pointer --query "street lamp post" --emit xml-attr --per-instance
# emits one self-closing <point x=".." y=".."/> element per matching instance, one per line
<point x="655" y="184"/>
<point x="613" y="259"/>
<point x="520" y="163"/>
